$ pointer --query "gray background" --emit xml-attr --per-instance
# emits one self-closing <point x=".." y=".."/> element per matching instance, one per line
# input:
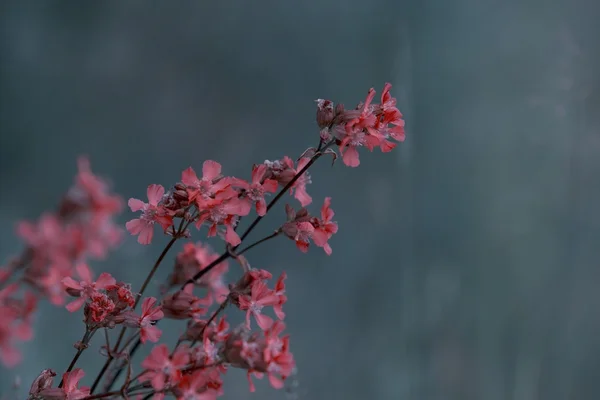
<point x="466" y="265"/>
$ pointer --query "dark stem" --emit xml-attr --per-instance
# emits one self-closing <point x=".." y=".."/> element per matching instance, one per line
<point x="271" y="236"/>
<point x="81" y="348"/>
<point x="210" y="320"/>
<point x="122" y="334"/>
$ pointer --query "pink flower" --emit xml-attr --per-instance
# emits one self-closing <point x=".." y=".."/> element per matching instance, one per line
<point x="163" y="370"/>
<point x="85" y="288"/>
<point x="324" y="227"/>
<point x="210" y="184"/>
<point x="69" y="391"/>
<point x="151" y="213"/>
<point x="150" y="314"/>
<point x="223" y="210"/>
<point x="255" y="191"/>
<point x="260" y="297"/>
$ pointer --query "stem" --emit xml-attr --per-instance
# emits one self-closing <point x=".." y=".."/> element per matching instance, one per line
<point x="210" y="320"/>
<point x="144" y="286"/>
<point x="83" y="345"/>
<point x="271" y="236"/>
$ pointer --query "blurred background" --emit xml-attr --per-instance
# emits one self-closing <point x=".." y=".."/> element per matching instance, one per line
<point x="466" y="265"/>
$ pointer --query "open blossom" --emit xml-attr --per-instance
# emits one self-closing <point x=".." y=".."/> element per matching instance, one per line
<point x="150" y="314"/>
<point x="69" y="391"/>
<point x="210" y="184"/>
<point x="260" y="296"/>
<point x="85" y="288"/>
<point x="255" y="191"/>
<point x="325" y="227"/>
<point x="152" y="212"/>
<point x="163" y="370"/>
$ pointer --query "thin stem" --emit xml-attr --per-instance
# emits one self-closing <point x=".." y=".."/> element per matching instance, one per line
<point x="144" y="286"/>
<point x="210" y="320"/>
<point x="271" y="236"/>
<point x="83" y="344"/>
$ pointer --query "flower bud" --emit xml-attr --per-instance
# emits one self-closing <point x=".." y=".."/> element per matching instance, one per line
<point x="43" y="381"/>
<point x="325" y="113"/>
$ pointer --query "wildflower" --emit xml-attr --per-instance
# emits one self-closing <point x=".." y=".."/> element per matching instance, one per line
<point x="324" y="227"/>
<point x="151" y="212"/>
<point x="163" y="370"/>
<point x="260" y="297"/>
<point x="255" y="191"/>
<point x="85" y="288"/>
<point x="150" y="314"/>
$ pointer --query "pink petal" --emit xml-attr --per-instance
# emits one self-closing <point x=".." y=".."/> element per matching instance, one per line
<point x="75" y="304"/>
<point x="302" y="196"/>
<point x="151" y="333"/>
<point x="231" y="236"/>
<point x="146" y="235"/>
<point x="350" y="157"/>
<point x="189" y="177"/>
<point x="261" y="207"/>
<point x="155" y="194"/>
<point x="211" y="169"/>
<point x="270" y="185"/>
<point x="258" y="172"/>
<point x="135" y="226"/>
<point x="135" y="204"/>
<point x="275" y="381"/>
<point x="83" y="270"/>
<point x="263" y="321"/>
<point x="71" y="283"/>
<point x="147" y="304"/>
<point x="104" y="280"/>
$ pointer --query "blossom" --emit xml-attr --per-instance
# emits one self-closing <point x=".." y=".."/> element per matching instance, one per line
<point x="163" y="370"/>
<point x="324" y="227"/>
<point x="260" y="297"/>
<point x="151" y="212"/>
<point x="210" y="183"/>
<point x="150" y="314"/>
<point x="85" y="288"/>
<point x="255" y="191"/>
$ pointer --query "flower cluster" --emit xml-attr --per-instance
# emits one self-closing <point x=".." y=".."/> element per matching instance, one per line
<point x="369" y="125"/>
<point x="59" y="246"/>
<point x="83" y="227"/>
